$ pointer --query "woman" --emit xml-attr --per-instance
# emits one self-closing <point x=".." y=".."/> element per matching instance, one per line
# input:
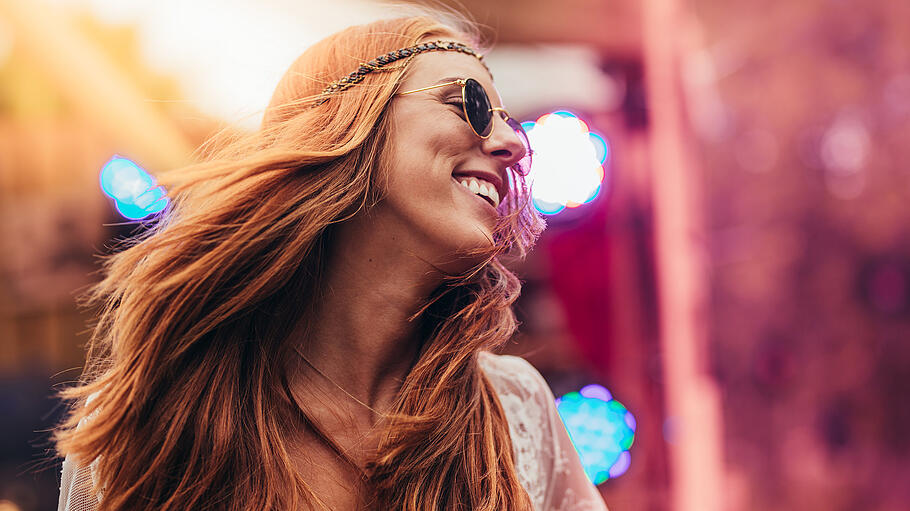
<point x="307" y="326"/>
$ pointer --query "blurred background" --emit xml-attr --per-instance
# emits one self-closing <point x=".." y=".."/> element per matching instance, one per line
<point x="721" y="301"/>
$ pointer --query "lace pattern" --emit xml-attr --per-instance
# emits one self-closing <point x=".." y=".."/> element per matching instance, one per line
<point x="547" y="463"/>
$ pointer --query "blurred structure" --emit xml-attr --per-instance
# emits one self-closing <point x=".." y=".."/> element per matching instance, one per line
<point x="73" y="92"/>
<point x="802" y="111"/>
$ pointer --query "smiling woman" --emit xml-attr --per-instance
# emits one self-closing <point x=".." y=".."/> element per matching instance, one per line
<point x="309" y="324"/>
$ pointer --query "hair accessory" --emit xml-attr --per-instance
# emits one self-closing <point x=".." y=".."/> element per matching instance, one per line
<point x="381" y="62"/>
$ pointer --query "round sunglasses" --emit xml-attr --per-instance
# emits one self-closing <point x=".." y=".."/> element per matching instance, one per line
<point x="479" y="113"/>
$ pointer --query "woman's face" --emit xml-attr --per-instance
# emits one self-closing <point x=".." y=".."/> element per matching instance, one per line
<point x="432" y="150"/>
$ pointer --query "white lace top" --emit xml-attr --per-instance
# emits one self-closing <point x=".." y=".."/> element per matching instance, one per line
<point x="547" y="464"/>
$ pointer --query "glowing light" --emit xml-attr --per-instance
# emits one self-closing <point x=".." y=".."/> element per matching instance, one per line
<point x="600" y="148"/>
<point x="567" y="171"/>
<point x="601" y="429"/>
<point x="596" y="392"/>
<point x="844" y="150"/>
<point x="134" y="191"/>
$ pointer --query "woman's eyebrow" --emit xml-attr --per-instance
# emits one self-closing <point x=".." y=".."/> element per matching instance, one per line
<point x="449" y="79"/>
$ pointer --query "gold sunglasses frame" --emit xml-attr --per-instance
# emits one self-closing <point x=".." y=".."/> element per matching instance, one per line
<point x="464" y="105"/>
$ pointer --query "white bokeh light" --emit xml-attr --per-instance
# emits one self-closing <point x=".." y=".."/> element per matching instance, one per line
<point x="568" y="162"/>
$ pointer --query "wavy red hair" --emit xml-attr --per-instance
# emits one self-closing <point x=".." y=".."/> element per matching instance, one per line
<point x="188" y="409"/>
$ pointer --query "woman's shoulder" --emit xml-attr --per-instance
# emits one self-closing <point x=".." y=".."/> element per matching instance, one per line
<point x="79" y="480"/>
<point x="514" y="375"/>
<point x="527" y="402"/>
<point x="545" y="459"/>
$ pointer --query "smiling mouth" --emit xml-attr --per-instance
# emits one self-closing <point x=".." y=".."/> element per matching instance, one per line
<point x="481" y="188"/>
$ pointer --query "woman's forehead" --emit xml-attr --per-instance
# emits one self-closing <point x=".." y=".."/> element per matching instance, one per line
<point x="427" y="69"/>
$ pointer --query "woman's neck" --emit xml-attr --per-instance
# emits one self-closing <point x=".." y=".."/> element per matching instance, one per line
<point x="359" y="334"/>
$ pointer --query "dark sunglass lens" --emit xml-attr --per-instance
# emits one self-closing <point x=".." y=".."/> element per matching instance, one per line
<point x="477" y="107"/>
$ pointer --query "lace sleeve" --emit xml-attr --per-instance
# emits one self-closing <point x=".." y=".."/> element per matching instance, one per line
<point x="78" y="481"/>
<point x="547" y="463"/>
<point x="77" y="487"/>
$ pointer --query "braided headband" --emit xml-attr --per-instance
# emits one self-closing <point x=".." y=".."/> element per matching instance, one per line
<point x="379" y="63"/>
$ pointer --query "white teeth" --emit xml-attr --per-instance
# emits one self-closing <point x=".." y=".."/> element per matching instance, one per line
<point x="481" y="188"/>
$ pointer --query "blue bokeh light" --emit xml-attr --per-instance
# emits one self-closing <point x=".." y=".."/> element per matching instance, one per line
<point x="601" y="429"/>
<point x="600" y="147"/>
<point x="547" y="208"/>
<point x="134" y="190"/>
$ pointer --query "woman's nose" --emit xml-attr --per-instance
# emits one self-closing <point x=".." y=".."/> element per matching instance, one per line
<point x="504" y="144"/>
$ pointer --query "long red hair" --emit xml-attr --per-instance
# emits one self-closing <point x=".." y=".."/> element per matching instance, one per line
<point x="189" y="408"/>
